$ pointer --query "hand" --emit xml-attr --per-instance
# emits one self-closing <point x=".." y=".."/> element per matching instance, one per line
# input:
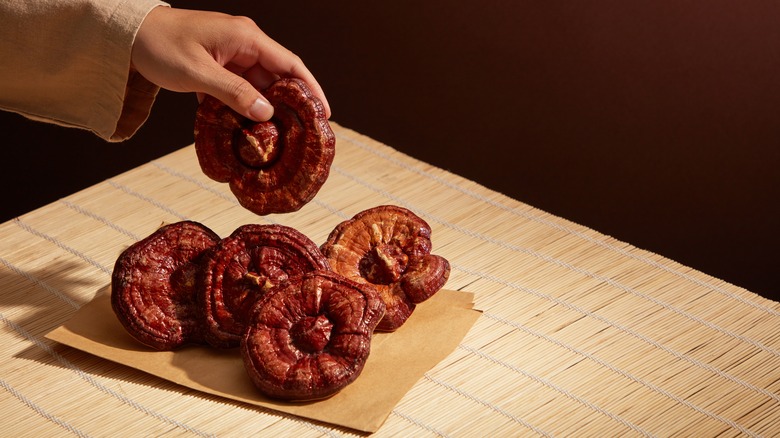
<point x="221" y="55"/>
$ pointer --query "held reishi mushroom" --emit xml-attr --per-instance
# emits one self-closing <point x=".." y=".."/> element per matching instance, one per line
<point x="242" y="268"/>
<point x="153" y="285"/>
<point x="310" y="337"/>
<point x="272" y="167"/>
<point x="388" y="247"/>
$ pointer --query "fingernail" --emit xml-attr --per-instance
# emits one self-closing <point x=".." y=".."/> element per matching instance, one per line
<point x="261" y="110"/>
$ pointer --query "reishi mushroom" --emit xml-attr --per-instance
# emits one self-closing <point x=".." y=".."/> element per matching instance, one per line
<point x="153" y="285"/>
<point x="302" y="316"/>
<point x="310" y="337"/>
<point x="272" y="167"/>
<point x="388" y="247"/>
<point x="242" y="267"/>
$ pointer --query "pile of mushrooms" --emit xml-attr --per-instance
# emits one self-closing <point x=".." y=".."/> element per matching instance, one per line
<point x="301" y="315"/>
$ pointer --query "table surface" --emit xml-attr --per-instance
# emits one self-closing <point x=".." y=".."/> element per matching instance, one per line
<point x="580" y="333"/>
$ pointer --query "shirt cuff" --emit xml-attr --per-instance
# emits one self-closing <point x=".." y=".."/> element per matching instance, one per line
<point x="74" y="68"/>
<point x="140" y="94"/>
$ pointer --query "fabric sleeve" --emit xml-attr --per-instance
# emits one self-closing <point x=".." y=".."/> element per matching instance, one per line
<point x="68" y="62"/>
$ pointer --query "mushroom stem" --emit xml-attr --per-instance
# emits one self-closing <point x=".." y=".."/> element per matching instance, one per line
<point x="258" y="145"/>
<point x="312" y="333"/>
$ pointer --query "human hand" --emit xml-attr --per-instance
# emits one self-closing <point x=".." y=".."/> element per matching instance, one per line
<point x="224" y="56"/>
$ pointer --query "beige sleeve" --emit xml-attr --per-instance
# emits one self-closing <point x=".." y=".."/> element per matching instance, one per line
<point x="68" y="62"/>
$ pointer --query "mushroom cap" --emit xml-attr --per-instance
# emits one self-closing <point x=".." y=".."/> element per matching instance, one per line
<point x="272" y="167"/>
<point x="310" y="337"/>
<point x="153" y="285"/>
<point x="388" y="247"/>
<point x="242" y="268"/>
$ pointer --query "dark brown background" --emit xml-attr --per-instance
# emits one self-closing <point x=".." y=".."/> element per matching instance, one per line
<point x="655" y="122"/>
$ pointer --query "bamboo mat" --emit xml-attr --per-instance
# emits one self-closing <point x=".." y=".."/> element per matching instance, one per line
<point x="581" y="334"/>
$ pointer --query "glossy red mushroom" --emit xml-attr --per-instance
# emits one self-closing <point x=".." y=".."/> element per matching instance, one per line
<point x="272" y="167"/>
<point x="153" y="285"/>
<point x="388" y="247"/>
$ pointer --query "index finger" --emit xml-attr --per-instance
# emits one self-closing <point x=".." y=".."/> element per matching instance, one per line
<point x="278" y="60"/>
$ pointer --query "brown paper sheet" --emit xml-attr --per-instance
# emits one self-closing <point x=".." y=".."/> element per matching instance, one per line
<point x="397" y="360"/>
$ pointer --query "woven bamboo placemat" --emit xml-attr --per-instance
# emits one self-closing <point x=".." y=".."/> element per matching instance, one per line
<point x="581" y="334"/>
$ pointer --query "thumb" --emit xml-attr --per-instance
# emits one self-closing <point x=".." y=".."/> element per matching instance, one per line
<point x="237" y="93"/>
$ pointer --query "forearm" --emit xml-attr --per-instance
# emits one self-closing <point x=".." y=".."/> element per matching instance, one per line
<point x="68" y="62"/>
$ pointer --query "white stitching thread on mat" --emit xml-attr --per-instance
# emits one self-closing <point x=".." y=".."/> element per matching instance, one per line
<point x="225" y="196"/>
<point x="145" y="198"/>
<point x="82" y="211"/>
<point x="560" y="390"/>
<point x="625" y="329"/>
<point x="34" y="280"/>
<point x="614" y="369"/>
<point x="487" y="404"/>
<point x="560" y="263"/>
<point x="79" y="254"/>
<point x="197" y="182"/>
<point x="555" y="225"/>
<point x="419" y="424"/>
<point x="92" y="381"/>
<point x="39" y="410"/>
